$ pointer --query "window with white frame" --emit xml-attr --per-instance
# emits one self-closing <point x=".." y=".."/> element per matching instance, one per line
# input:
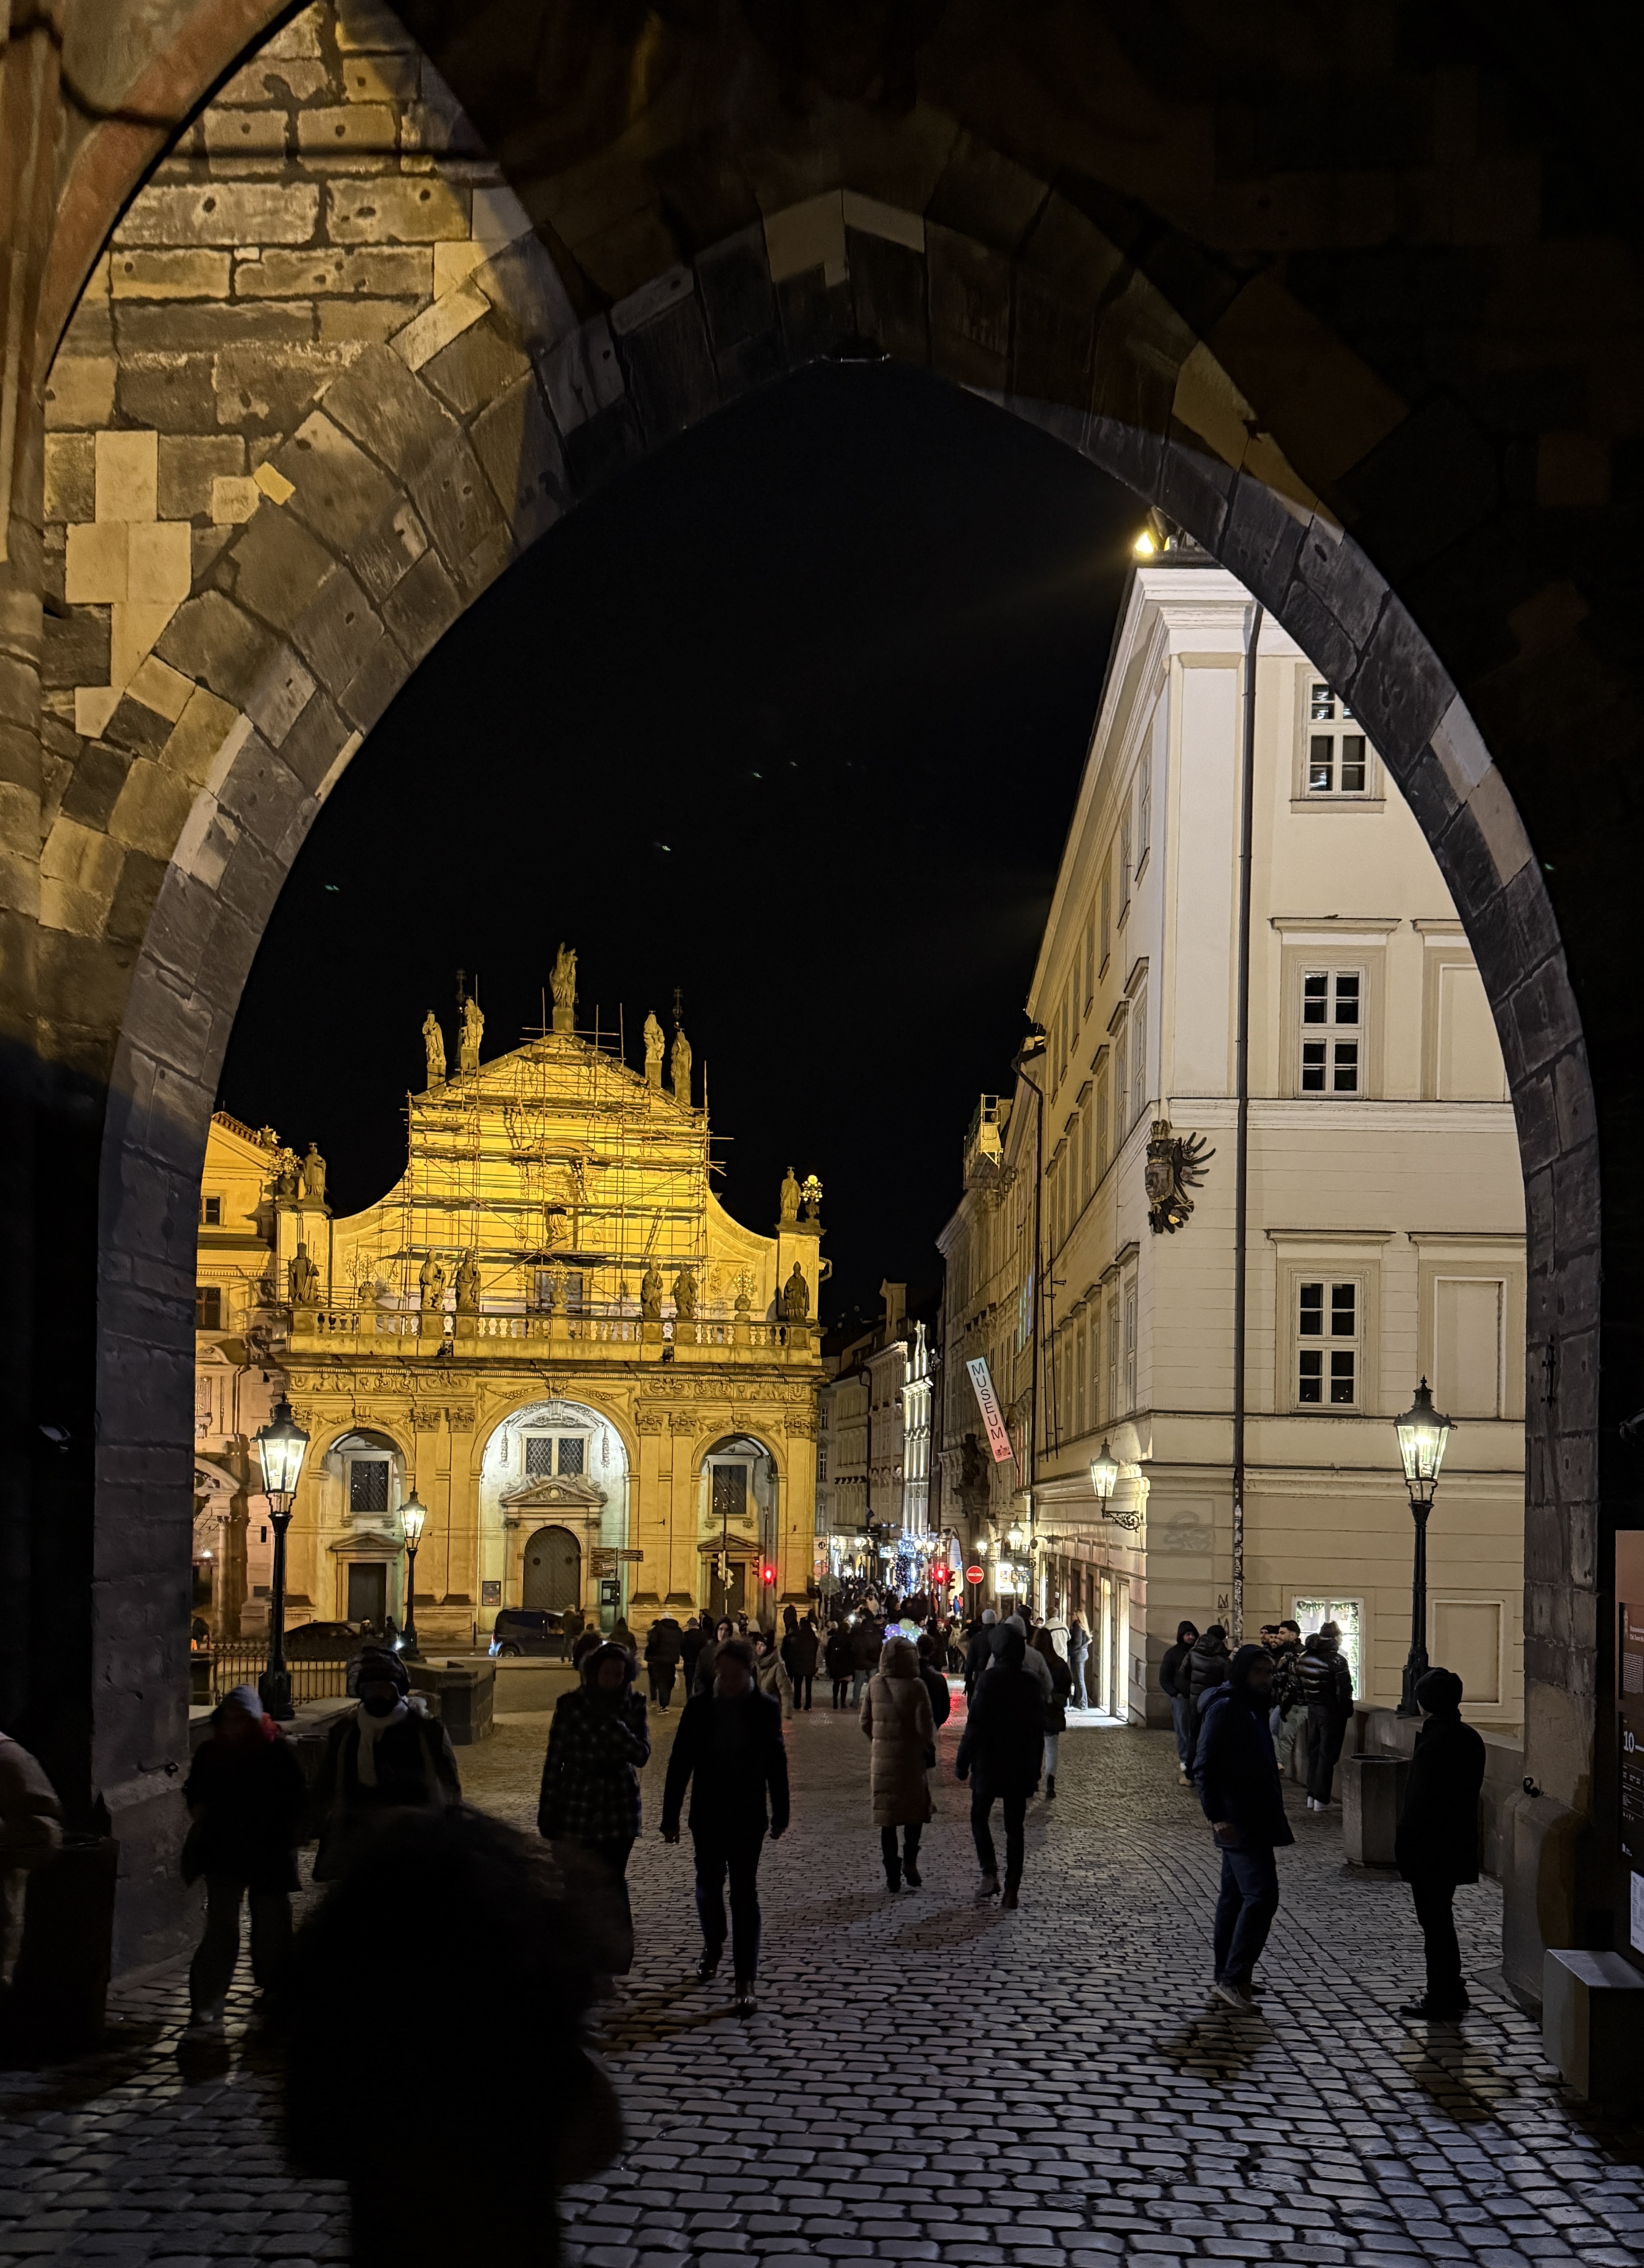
<point x="555" y="1455"/>
<point x="1138" y="1021"/>
<point x="1129" y="1382"/>
<point x="1329" y="1342"/>
<point x="1125" y="867"/>
<point x="1112" y="1357"/>
<point x="1079" y="1378"/>
<point x="1107" y="909"/>
<point x="1144" y="818"/>
<point x="1121" y="1090"/>
<point x="1333" y="1032"/>
<point x="1101" y="1125"/>
<point x="1090" y="959"/>
<point x="211" y="1212"/>
<point x="1338" y="763"/>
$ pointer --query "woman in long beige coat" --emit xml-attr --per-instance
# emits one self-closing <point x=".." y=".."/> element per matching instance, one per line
<point x="896" y="1716"/>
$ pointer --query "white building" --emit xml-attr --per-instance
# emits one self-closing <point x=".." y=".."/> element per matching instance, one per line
<point x="1385" y="1208"/>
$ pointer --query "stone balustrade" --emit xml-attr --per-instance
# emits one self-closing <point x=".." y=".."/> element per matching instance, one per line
<point x="576" y="1339"/>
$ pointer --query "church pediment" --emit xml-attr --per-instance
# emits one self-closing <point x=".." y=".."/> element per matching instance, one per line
<point x="563" y="1492"/>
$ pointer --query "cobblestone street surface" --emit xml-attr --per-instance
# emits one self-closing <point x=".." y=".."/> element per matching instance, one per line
<point x="930" y="2080"/>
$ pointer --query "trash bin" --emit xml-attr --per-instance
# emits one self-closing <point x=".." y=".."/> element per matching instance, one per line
<point x="58" y="2001"/>
<point x="1372" y="1797"/>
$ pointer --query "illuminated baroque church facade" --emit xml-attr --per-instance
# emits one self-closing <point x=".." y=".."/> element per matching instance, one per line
<point x="601" y="1387"/>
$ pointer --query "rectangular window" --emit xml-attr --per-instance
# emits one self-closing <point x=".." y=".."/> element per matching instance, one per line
<point x="1336" y="760"/>
<point x="1112" y="1359"/>
<point x="1327" y="1333"/>
<point x="368" y="1484"/>
<point x="547" y="1454"/>
<point x="1101" y="1126"/>
<point x="211" y="1212"/>
<point x="1124" y="865"/>
<point x="1138" y="1021"/>
<point x="1144" y="820"/>
<point x="1090" y="959"/>
<point x="1129" y="1383"/>
<point x="1078" y="1379"/>
<point x="1085" y="1151"/>
<point x="1332" y="999"/>
<point x="731" y="1491"/>
<point x="1107" y="910"/>
<point x="1121" y="1093"/>
<point x="207" y="1306"/>
<point x="1348" y="1616"/>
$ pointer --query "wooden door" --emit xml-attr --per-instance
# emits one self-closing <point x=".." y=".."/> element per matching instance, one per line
<point x="553" y="1579"/>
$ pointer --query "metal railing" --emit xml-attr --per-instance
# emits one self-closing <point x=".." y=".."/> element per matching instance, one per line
<point x="215" y="1670"/>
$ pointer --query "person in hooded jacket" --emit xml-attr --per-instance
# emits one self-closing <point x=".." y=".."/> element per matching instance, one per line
<point x="692" y="1639"/>
<point x="1239" y="1788"/>
<point x="1078" y="1654"/>
<point x="1043" y="1643"/>
<point x="804" y="1649"/>
<point x="1207" y="1667"/>
<point x="1000" y="1752"/>
<point x="896" y="1716"/>
<point x="1437" y="1845"/>
<point x="588" y="1807"/>
<point x="246" y="1798"/>
<point x="836" y="1659"/>
<point x="723" y="1630"/>
<point x="867" y="1641"/>
<point x="664" y="1652"/>
<point x="978" y="1650"/>
<point x="1326" y="1682"/>
<point x="1173" y="1681"/>
<point x="932" y="1653"/>
<point x="388" y="1754"/>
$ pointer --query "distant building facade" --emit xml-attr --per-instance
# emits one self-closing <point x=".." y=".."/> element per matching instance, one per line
<point x="601" y="1388"/>
<point x="882" y="1486"/>
<point x="1090" y="1260"/>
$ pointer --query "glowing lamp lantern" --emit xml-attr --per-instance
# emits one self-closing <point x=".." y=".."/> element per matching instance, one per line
<point x="1104" y="1476"/>
<point x="413" y="1519"/>
<point x="281" y="1445"/>
<point x="1423" y="1437"/>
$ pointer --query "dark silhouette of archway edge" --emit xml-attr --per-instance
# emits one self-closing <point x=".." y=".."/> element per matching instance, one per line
<point x="307" y="669"/>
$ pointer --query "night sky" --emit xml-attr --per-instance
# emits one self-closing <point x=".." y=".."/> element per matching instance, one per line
<point x="791" y="716"/>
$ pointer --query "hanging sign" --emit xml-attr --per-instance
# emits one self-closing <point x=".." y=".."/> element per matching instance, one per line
<point x="987" y="1402"/>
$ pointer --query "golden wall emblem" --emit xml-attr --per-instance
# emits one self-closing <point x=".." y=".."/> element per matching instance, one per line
<point x="1176" y="1165"/>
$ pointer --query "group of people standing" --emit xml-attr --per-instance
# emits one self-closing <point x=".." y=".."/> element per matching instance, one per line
<point x="1311" y="1684"/>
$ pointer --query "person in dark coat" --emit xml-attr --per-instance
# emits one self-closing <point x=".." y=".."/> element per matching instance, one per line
<point x="588" y="1805"/>
<point x="664" y="1645"/>
<point x="1289" y="1711"/>
<point x="1078" y="1654"/>
<point x="475" y="1911"/>
<point x="387" y="1755"/>
<point x="729" y="1749"/>
<point x="245" y="1798"/>
<point x="1239" y="1788"/>
<point x="714" y="1636"/>
<point x="1000" y="1751"/>
<point x="1327" y="1683"/>
<point x="932" y="1652"/>
<point x="804" y="1647"/>
<point x="692" y="1639"/>
<point x="836" y="1658"/>
<point x="1437" y="1845"/>
<point x="1044" y="1645"/>
<point x="979" y="1651"/>
<point x="1173" y="1681"/>
<point x="867" y="1642"/>
<point x="1207" y="1667"/>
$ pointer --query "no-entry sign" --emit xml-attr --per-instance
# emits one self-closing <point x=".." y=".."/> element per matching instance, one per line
<point x="972" y="1574"/>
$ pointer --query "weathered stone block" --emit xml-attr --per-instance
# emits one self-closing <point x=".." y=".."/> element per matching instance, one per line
<point x="476" y="368"/>
<point x="388" y="551"/>
<point x="455" y="504"/>
<point x="75" y="652"/>
<point x="80" y="391"/>
<point x="270" y="391"/>
<point x="382" y="271"/>
<point x="222" y="212"/>
<point x="522" y="285"/>
<point x="70" y="484"/>
<point x="368" y="692"/>
<point x="94" y="570"/>
<point x="517" y="443"/>
<point x="235" y="133"/>
<point x="271" y="78"/>
<point x="137" y="274"/>
<point x="339" y="491"/>
<point x="209" y="326"/>
<point x="672" y="380"/>
<point x="352" y="129"/>
<point x="277" y="566"/>
<point x="422" y="607"/>
<point x="436" y="327"/>
<point x="188" y="469"/>
<point x="339" y="631"/>
<point x="356" y="323"/>
<point x="219" y="644"/>
<point x="395" y="209"/>
<point x="582" y="375"/>
<point x="388" y="412"/>
<point x="172" y="392"/>
<point x="391" y="78"/>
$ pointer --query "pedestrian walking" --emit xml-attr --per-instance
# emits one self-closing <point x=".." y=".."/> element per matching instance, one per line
<point x="716" y="1636"/>
<point x="1437" y="1845"/>
<point x="979" y="1650"/>
<point x="1289" y="1709"/>
<point x="931" y="1653"/>
<point x="387" y="1754"/>
<point x="1078" y="1655"/>
<point x="1238" y="1787"/>
<point x="1175" y="1680"/>
<point x="589" y="1806"/>
<point x="572" y="1623"/>
<point x="770" y="1673"/>
<point x="1326" y="1682"/>
<point x="664" y="1648"/>
<point x="471" y="1909"/>
<point x="31" y="1831"/>
<point x="1044" y="1644"/>
<point x="245" y="1797"/>
<point x="867" y="1641"/>
<point x="836" y="1657"/>
<point x="802" y="1667"/>
<point x="1000" y="1752"/>
<point x="729" y="1751"/>
<point x="897" y="1718"/>
<point x="1037" y="1666"/>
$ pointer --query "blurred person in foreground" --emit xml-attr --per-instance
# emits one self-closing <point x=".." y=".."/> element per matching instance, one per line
<point x="455" y="1924"/>
<point x="1437" y="1845"/>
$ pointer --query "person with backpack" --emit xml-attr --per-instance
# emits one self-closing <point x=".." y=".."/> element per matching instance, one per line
<point x="1174" y="1683"/>
<point x="1326" y="1682"/>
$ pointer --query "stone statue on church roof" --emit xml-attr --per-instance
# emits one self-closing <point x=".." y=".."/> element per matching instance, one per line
<point x="304" y="1279"/>
<point x="653" y="1051"/>
<point x="562" y="984"/>
<point x="432" y="1281"/>
<point x="796" y="1297"/>
<point x="651" y="1293"/>
<point x="314" y="1176"/>
<point x="469" y="1284"/>
<point x="680" y="1068"/>
<point x="433" y="1044"/>
<point x="789" y="1198"/>
<point x="473" y="1032"/>
<point x="685" y="1293"/>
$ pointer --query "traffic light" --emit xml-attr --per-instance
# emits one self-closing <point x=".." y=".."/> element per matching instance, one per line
<point x="767" y="1575"/>
<point x="941" y="1574"/>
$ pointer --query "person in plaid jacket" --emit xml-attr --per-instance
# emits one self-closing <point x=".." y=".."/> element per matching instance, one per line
<point x="589" y="1808"/>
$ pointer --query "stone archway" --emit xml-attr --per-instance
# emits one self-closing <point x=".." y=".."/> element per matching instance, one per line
<point x="417" y="461"/>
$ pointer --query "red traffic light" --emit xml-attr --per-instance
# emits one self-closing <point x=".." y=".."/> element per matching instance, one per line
<point x="768" y="1574"/>
<point x="941" y="1574"/>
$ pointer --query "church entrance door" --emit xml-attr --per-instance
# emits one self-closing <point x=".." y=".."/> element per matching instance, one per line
<point x="554" y="1570"/>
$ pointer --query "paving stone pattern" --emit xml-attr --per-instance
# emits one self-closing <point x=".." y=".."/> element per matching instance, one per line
<point x="930" y="2080"/>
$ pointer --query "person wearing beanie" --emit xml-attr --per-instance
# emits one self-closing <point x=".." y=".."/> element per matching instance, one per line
<point x="1436" y="1846"/>
<point x="388" y="1754"/>
<point x="1002" y="1753"/>
<point x="589" y="1806"/>
<point x="1239" y="1788"/>
<point x="1175" y="1681"/>
<point x="246" y="1798"/>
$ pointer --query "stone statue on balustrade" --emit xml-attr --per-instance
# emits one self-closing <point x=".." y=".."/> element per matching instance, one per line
<point x="468" y="1284"/>
<point x="433" y="1044"/>
<point x="653" y="1051"/>
<point x="473" y="1032"/>
<point x="789" y="1198"/>
<point x="304" y="1279"/>
<point x="314" y="1176"/>
<point x="562" y="984"/>
<point x="685" y="1295"/>
<point x="432" y="1279"/>
<point x="651" y="1293"/>
<point x="681" y="1069"/>
<point x="796" y="1297"/>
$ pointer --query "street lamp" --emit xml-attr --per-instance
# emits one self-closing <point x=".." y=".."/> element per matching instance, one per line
<point x="1104" y="1479"/>
<point x="1423" y="1438"/>
<point x="413" y="1515"/>
<point x="280" y="1446"/>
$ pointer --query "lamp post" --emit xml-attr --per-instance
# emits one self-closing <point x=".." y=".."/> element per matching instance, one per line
<point x="1423" y="1438"/>
<point x="412" y="1514"/>
<point x="280" y="1446"/>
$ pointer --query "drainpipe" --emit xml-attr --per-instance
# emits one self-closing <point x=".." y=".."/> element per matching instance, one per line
<point x="1241" y="1141"/>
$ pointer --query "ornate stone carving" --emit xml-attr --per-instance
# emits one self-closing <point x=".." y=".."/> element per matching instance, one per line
<point x="685" y="1293"/>
<point x="562" y="984"/>
<point x="796" y="1297"/>
<point x="304" y="1279"/>
<point x="789" y="1200"/>
<point x="434" y="1046"/>
<point x="653" y="1051"/>
<point x="473" y="1032"/>
<point x="459" y="1417"/>
<point x="680" y="1069"/>
<point x="469" y="1284"/>
<point x="1176" y="1164"/>
<point x="431" y="1276"/>
<point x="651" y="1293"/>
<point x="425" y="1415"/>
<point x="314" y="1176"/>
<point x="648" y="1419"/>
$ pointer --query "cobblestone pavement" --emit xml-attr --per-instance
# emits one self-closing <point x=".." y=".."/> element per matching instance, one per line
<point x="930" y="2080"/>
